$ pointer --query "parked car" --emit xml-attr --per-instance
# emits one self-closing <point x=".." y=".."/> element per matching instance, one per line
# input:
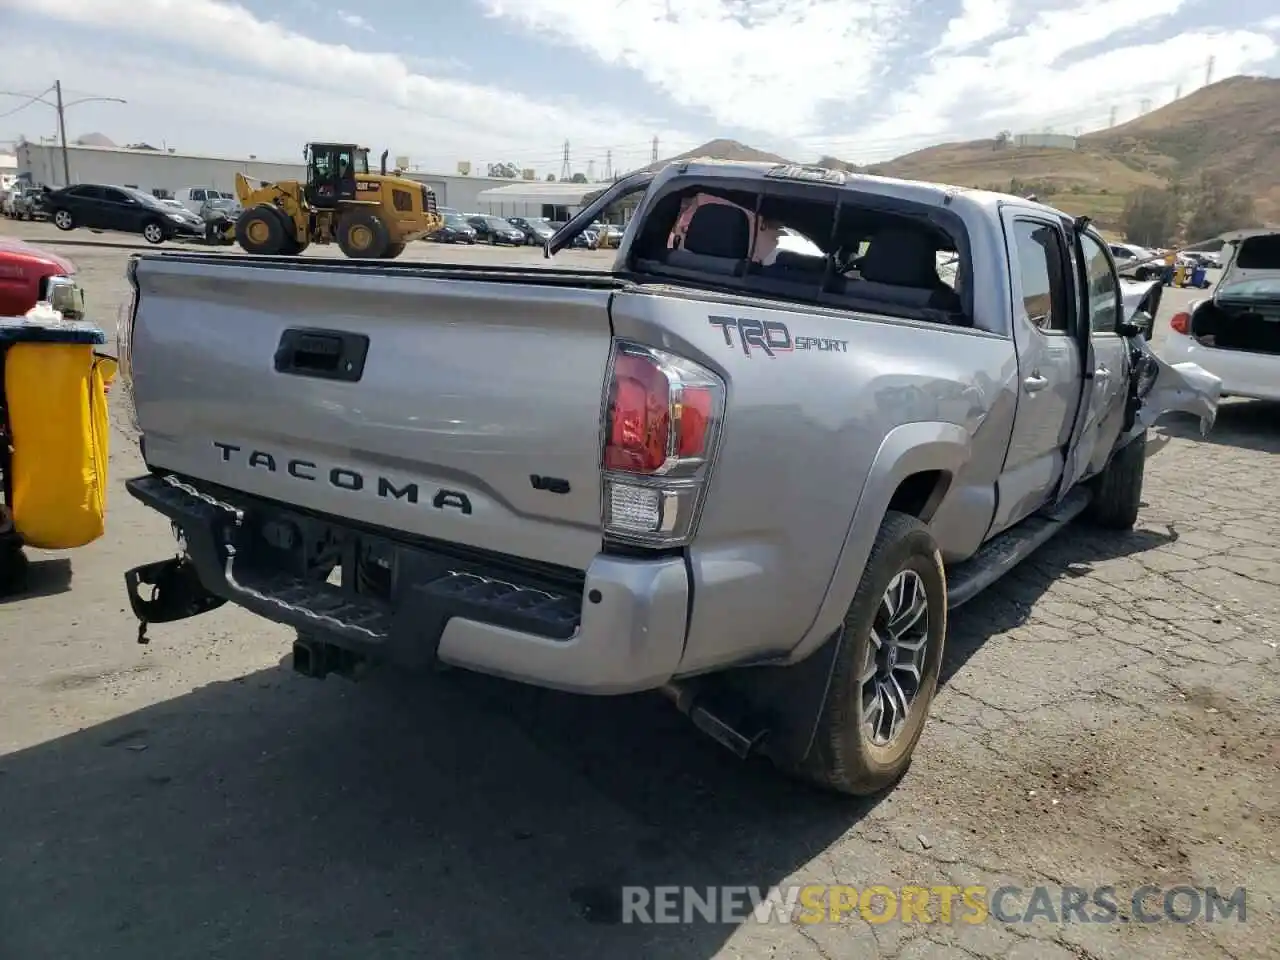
<point x="455" y="230"/>
<point x="537" y="230"/>
<point x="756" y="488"/>
<point x="25" y="202"/>
<point x="608" y="235"/>
<point x="586" y="240"/>
<point x="107" y="207"/>
<point x="1235" y="334"/>
<point x="192" y="199"/>
<point x="496" y="230"/>
<point x="1138" y="262"/>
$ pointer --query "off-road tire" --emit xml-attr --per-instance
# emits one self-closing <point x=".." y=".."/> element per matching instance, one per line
<point x="841" y="758"/>
<point x="275" y="239"/>
<point x="393" y="251"/>
<point x="352" y="224"/>
<point x="1117" y="490"/>
<point x="64" y="219"/>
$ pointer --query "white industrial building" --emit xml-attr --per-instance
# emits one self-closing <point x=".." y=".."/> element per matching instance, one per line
<point x="161" y="171"/>
<point x="1061" y="141"/>
<point x="535" y="198"/>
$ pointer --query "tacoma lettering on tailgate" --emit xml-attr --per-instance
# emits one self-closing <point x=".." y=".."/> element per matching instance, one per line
<point x="342" y="478"/>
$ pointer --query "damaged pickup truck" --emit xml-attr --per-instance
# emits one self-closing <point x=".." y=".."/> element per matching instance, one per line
<point x="751" y="474"/>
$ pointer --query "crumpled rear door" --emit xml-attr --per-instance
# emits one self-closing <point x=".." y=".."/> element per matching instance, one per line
<point x="1164" y="388"/>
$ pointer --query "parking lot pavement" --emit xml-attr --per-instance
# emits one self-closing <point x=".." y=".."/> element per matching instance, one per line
<point x="1108" y="719"/>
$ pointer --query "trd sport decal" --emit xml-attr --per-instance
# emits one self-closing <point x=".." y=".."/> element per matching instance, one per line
<point x="771" y="337"/>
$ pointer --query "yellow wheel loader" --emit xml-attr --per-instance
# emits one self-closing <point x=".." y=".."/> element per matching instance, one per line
<point x="371" y="216"/>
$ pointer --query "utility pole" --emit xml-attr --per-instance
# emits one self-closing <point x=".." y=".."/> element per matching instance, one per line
<point x="608" y="164"/>
<point x="654" y="155"/>
<point x="566" y="169"/>
<point x="1208" y="72"/>
<point x="60" y="106"/>
<point x="1112" y="122"/>
<point x="591" y="171"/>
<point x="62" y="135"/>
<point x="1145" y="106"/>
<point x="1177" y="93"/>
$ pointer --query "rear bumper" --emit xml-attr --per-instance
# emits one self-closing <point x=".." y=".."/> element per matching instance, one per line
<point x="620" y="628"/>
<point x="1243" y="374"/>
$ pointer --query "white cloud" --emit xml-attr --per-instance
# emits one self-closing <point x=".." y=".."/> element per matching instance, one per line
<point x="282" y="88"/>
<point x="355" y="20"/>
<point x="774" y="72"/>
<point x="978" y="20"/>
<point x="782" y="68"/>
<point x="768" y="65"/>
<point x="1047" y="74"/>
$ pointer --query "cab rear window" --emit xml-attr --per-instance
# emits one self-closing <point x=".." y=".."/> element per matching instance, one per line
<point x="1259" y="253"/>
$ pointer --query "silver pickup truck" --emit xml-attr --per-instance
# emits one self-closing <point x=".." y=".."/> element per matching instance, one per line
<point x="752" y="474"/>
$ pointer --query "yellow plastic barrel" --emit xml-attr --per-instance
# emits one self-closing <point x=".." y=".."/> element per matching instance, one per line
<point x="55" y="398"/>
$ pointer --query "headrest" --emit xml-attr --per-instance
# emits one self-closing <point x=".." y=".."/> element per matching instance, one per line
<point x="901" y="257"/>
<point x="719" y="230"/>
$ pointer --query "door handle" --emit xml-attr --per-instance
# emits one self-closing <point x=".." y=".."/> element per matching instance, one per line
<point x="1035" y="383"/>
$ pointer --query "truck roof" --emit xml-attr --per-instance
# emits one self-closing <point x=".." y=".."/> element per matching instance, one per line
<point x="918" y="191"/>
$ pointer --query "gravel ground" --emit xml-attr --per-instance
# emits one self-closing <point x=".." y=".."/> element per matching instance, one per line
<point x="1107" y="718"/>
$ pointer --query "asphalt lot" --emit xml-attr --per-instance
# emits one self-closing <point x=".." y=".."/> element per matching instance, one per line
<point x="1108" y="718"/>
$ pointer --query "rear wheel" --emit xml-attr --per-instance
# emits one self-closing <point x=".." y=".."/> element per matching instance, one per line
<point x="393" y="251"/>
<point x="886" y="669"/>
<point x="63" y="220"/>
<point x="153" y="232"/>
<point x="363" y="235"/>
<point x="1117" y="491"/>
<point x="260" y="230"/>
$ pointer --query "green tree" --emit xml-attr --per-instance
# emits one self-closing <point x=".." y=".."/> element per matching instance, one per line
<point x="1150" y="216"/>
<point x="1218" y="205"/>
<point x="508" y="171"/>
<point x="579" y="178"/>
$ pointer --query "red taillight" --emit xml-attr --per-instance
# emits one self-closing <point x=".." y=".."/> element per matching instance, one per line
<point x="1180" y="323"/>
<point x="693" y="421"/>
<point x="639" y="416"/>
<point x="661" y="424"/>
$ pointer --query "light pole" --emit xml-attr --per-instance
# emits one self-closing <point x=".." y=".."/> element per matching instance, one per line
<point x="62" y="123"/>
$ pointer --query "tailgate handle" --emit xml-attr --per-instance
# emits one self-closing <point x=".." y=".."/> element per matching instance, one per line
<point x="326" y="354"/>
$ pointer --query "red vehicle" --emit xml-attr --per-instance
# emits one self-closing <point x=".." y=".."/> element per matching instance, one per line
<point x="27" y="274"/>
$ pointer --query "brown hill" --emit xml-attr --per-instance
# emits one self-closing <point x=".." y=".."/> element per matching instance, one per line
<point x="720" y="150"/>
<point x="1231" y="127"/>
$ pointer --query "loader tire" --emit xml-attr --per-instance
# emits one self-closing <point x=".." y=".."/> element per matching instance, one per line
<point x="1117" y="490"/>
<point x="393" y="251"/>
<point x="363" y="236"/>
<point x="261" y="230"/>
<point x="885" y="660"/>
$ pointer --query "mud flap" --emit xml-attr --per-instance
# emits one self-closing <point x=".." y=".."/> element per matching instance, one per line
<point x="1163" y="388"/>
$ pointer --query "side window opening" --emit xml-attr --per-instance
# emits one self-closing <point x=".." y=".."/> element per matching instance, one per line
<point x="1040" y="264"/>
<point x="1102" y="287"/>
<point x="825" y="249"/>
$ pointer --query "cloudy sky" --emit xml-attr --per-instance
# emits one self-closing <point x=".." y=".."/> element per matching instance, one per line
<point x="489" y="80"/>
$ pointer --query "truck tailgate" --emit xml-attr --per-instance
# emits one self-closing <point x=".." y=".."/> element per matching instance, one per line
<point x="474" y="419"/>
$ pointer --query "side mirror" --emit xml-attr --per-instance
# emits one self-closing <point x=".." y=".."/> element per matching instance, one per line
<point x="1140" y="326"/>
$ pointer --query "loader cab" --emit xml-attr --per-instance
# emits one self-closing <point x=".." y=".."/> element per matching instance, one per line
<point x="331" y="172"/>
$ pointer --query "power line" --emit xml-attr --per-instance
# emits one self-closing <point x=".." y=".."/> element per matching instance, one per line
<point x="38" y="98"/>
